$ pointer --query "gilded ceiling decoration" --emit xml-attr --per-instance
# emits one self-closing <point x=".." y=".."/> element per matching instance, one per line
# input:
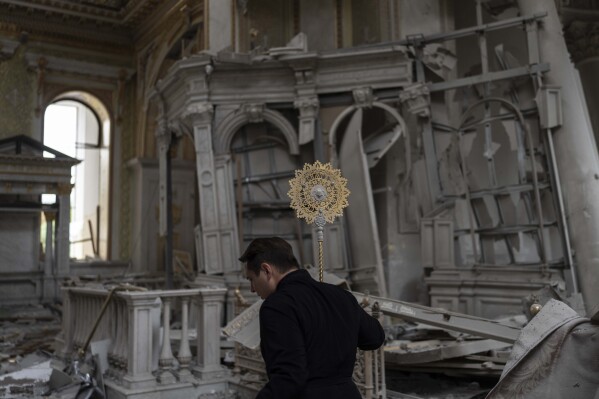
<point x="117" y="12"/>
<point x="91" y="23"/>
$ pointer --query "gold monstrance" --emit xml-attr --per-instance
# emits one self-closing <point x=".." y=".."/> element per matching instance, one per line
<point x="318" y="194"/>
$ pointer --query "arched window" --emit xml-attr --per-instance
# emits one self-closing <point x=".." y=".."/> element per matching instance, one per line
<point x="78" y="125"/>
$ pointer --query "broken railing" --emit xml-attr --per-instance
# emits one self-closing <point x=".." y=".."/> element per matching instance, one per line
<point x="137" y="327"/>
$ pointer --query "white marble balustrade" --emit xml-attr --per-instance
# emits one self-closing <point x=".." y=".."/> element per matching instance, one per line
<point x="142" y="352"/>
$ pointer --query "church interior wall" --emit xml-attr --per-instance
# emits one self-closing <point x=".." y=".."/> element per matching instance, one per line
<point x="174" y="33"/>
<point x="459" y="212"/>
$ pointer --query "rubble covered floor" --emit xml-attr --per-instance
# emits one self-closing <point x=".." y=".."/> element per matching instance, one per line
<point x="27" y="335"/>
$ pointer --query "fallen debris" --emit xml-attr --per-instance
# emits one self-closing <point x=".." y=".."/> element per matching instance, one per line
<point x="26" y="336"/>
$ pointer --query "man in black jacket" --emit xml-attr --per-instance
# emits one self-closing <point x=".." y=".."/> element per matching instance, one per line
<point x="309" y="330"/>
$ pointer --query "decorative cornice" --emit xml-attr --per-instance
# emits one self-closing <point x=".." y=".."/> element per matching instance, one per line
<point x="109" y="26"/>
<point x="59" y="26"/>
<point x="21" y="159"/>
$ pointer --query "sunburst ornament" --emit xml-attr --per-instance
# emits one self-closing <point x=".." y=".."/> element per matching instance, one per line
<point x="318" y="194"/>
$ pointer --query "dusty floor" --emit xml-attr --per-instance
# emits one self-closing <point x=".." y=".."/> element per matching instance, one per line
<point x="27" y="338"/>
<point x="27" y="335"/>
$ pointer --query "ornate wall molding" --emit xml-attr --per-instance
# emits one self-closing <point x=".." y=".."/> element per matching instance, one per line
<point x="252" y="113"/>
<point x="363" y="97"/>
<point x="416" y="99"/>
<point x="67" y="65"/>
<point x="198" y="113"/>
<point x="54" y="27"/>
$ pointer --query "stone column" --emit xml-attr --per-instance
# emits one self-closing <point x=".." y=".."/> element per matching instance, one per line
<point x="49" y="280"/>
<point x="50" y="217"/>
<point x="576" y="150"/>
<point x="163" y="138"/>
<point x="62" y="230"/>
<point x="143" y="309"/>
<point x="227" y="222"/>
<point x="200" y="116"/>
<point x="210" y="305"/>
<point x="218" y="225"/>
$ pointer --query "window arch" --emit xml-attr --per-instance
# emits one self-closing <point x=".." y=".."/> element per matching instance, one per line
<point x="78" y="124"/>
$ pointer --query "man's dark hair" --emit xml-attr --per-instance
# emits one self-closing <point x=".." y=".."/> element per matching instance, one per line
<point x="272" y="250"/>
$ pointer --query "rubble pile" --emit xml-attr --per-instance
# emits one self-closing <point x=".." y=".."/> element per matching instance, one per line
<point x="27" y="336"/>
<point x="421" y="348"/>
<point x="423" y="361"/>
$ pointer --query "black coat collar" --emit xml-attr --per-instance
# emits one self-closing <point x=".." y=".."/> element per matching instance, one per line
<point x="291" y="277"/>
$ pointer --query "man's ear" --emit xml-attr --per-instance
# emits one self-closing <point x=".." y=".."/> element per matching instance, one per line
<point x="267" y="268"/>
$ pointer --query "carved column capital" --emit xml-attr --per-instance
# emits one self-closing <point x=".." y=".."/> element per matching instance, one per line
<point x="50" y="216"/>
<point x="416" y="99"/>
<point x="308" y="106"/>
<point x="199" y="112"/>
<point x="582" y="39"/>
<point x="363" y="97"/>
<point x="254" y="112"/>
<point x="64" y="188"/>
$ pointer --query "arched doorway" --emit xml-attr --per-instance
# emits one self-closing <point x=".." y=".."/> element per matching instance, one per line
<point x="262" y="167"/>
<point x="78" y="124"/>
<point x="368" y="133"/>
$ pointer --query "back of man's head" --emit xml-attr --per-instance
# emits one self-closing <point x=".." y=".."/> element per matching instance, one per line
<point x="272" y="250"/>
